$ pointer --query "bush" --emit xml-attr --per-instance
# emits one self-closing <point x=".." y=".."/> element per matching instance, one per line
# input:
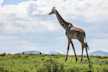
<point x="50" y="66"/>
<point x="3" y="70"/>
<point x="3" y="54"/>
<point x="105" y="69"/>
<point x="71" y="69"/>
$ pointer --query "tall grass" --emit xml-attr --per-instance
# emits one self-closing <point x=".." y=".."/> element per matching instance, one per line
<point x="45" y="63"/>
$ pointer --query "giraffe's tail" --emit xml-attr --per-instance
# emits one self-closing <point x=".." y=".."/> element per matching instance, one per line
<point x="86" y="45"/>
<point x="85" y="42"/>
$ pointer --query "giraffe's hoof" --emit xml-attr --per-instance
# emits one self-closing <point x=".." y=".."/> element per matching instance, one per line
<point x="89" y="71"/>
<point x="65" y="60"/>
<point x="81" y="62"/>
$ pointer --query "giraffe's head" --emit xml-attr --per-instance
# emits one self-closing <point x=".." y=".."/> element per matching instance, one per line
<point x="52" y="11"/>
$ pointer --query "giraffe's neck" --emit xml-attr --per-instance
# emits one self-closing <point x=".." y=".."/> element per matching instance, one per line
<point x="63" y="23"/>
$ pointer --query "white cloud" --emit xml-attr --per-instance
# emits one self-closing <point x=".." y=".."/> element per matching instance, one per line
<point x="86" y="8"/>
<point x="10" y="14"/>
<point x="14" y="43"/>
<point x="15" y="18"/>
<point x="12" y="23"/>
<point x="31" y="16"/>
<point x="16" y="9"/>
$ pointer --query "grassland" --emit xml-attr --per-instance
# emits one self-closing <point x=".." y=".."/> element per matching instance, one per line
<point x="46" y="63"/>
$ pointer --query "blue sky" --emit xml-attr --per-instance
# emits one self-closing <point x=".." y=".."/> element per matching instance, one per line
<point x="25" y="24"/>
<point x="12" y="1"/>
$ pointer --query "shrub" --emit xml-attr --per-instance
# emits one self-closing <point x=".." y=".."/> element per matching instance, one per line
<point x="72" y="69"/>
<point x="105" y="69"/>
<point x="3" y="70"/>
<point x="50" y="66"/>
<point x="3" y="54"/>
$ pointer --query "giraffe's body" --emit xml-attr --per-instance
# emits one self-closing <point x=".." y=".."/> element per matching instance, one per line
<point x="72" y="32"/>
<point x="75" y="33"/>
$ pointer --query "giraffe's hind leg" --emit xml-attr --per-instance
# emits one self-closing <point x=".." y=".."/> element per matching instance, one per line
<point x="89" y="61"/>
<point x="82" y="55"/>
<point x="81" y="40"/>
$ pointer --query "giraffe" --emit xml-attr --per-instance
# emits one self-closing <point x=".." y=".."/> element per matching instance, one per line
<point x="72" y="32"/>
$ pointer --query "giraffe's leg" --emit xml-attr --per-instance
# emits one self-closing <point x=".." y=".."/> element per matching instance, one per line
<point x="67" y="51"/>
<point x="90" y="65"/>
<point x="73" y="49"/>
<point x="82" y="52"/>
<point x="87" y="55"/>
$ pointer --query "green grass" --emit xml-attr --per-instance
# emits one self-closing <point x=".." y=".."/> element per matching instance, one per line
<point x="45" y="63"/>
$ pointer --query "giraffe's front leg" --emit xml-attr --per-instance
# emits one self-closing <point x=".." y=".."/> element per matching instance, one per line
<point x="67" y="50"/>
<point x="73" y="49"/>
